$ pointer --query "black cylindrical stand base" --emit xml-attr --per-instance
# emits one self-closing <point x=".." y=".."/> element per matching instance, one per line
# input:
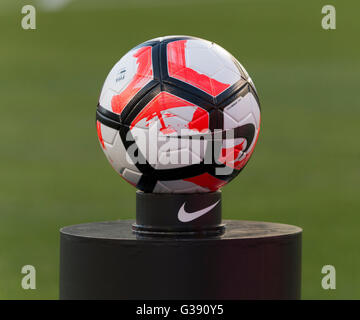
<point x="251" y="260"/>
<point x="178" y="214"/>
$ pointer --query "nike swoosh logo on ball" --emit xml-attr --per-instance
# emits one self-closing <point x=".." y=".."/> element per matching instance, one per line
<point x="184" y="216"/>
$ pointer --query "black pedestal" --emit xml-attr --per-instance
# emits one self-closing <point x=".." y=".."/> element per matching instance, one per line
<point x="251" y="260"/>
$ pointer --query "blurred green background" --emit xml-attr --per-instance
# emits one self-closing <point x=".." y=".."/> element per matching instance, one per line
<point x="305" y="170"/>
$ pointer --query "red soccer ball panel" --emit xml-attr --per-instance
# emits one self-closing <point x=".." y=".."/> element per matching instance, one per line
<point x="172" y="114"/>
<point x="200" y="64"/>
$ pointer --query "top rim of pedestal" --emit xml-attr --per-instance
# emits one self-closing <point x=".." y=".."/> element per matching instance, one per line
<point x="235" y="230"/>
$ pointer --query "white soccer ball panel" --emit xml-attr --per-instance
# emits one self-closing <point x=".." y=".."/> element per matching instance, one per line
<point x="225" y="75"/>
<point x="226" y="59"/>
<point x="176" y="158"/>
<point x="237" y="113"/>
<point x="198" y="44"/>
<point x="116" y="154"/>
<point x="118" y="78"/>
<point x="131" y="176"/>
<point x="132" y="72"/>
<point x="108" y="134"/>
<point x="202" y="60"/>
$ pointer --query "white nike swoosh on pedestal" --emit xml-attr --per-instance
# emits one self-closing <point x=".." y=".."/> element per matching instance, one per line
<point x="184" y="216"/>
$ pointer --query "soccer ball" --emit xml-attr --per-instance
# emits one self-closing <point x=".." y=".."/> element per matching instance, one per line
<point x="178" y="114"/>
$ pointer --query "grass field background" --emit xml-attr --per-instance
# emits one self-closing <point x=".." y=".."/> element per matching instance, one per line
<point x="305" y="170"/>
